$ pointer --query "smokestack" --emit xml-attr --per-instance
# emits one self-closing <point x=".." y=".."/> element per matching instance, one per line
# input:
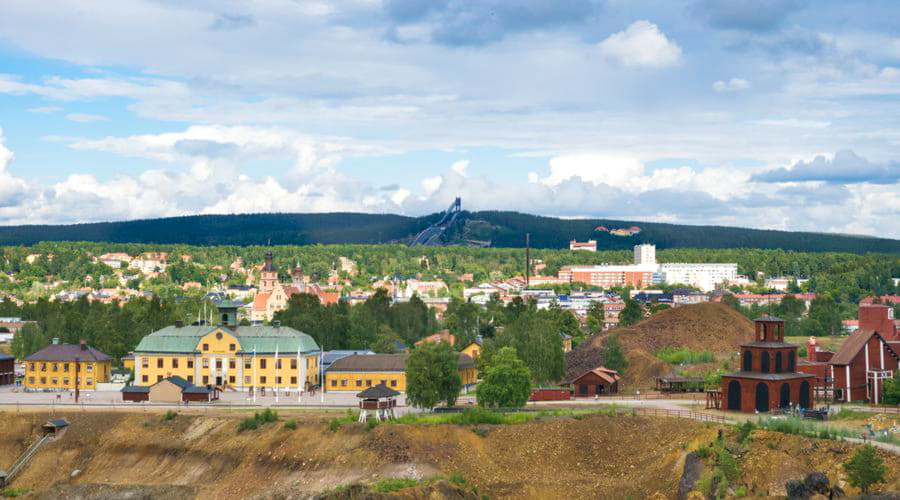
<point x="527" y="260"/>
<point x="811" y="349"/>
<point x="83" y="344"/>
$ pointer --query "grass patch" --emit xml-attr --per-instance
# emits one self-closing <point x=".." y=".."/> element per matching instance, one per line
<point x="481" y="416"/>
<point x="394" y="484"/>
<point x="290" y="424"/>
<point x="684" y="356"/>
<point x="807" y="428"/>
<point x="848" y="414"/>
<point x="169" y="415"/>
<point x="15" y="492"/>
<point x="336" y="423"/>
<point x="259" y="418"/>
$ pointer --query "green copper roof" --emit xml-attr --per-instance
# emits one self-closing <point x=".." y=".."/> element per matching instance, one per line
<point x="264" y="339"/>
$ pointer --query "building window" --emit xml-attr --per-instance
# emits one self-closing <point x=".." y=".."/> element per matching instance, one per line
<point x="247" y="380"/>
<point x="145" y="362"/>
<point x="293" y="380"/>
<point x="277" y="364"/>
<point x="218" y="364"/>
<point x="55" y="381"/>
<point x="55" y="367"/>
<point x="43" y="380"/>
<point x="343" y="382"/>
<point x="159" y="378"/>
<point x="293" y="364"/>
<point x="43" y="367"/>
<point x="205" y="379"/>
<point x="205" y="347"/>
<point x="231" y="347"/>
<point x="90" y="381"/>
<point x="65" y="367"/>
<point x="65" y="380"/>
<point x="159" y="363"/>
<point x="31" y="380"/>
<point x="262" y="364"/>
<point x="205" y="362"/>
<point x="90" y="368"/>
<point x="232" y="364"/>
<point x="247" y="363"/>
<point x="190" y="379"/>
<point x="231" y="379"/>
<point x="174" y="362"/>
<point x="218" y="335"/>
<point x="144" y="378"/>
<point x="368" y="383"/>
<point x="393" y="383"/>
<point x="333" y="383"/>
<point x="384" y="382"/>
<point x="262" y="380"/>
<point x="359" y="383"/>
<point x="190" y="362"/>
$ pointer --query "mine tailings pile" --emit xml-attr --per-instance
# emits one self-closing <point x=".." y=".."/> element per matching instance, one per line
<point x="711" y="327"/>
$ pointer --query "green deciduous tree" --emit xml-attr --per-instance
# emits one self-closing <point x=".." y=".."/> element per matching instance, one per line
<point x="614" y="356"/>
<point x="432" y="375"/>
<point x="632" y="313"/>
<point x="865" y="468"/>
<point x="506" y="383"/>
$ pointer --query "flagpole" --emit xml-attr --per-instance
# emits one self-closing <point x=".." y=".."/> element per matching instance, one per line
<point x="276" y="373"/>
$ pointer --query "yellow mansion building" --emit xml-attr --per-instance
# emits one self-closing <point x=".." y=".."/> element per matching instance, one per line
<point x="228" y="355"/>
<point x="63" y="366"/>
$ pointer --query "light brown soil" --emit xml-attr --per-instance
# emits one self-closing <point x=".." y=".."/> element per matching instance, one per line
<point x="702" y="327"/>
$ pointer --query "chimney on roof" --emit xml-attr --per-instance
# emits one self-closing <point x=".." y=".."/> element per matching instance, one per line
<point x="811" y="349"/>
<point x="179" y="323"/>
<point x="55" y="340"/>
<point x="83" y="344"/>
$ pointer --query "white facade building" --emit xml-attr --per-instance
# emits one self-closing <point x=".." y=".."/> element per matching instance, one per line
<point x="644" y="254"/>
<point x="703" y="276"/>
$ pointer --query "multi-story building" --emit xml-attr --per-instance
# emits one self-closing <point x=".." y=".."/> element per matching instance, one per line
<point x="356" y="373"/>
<point x="228" y="355"/>
<point x="645" y="254"/>
<point x="589" y="245"/>
<point x="7" y="369"/>
<point x="65" y="366"/>
<point x="704" y="276"/>
<point x="609" y="276"/>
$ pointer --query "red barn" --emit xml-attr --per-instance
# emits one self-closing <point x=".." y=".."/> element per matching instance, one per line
<point x="595" y="382"/>
<point x="7" y="370"/>
<point x="768" y="378"/>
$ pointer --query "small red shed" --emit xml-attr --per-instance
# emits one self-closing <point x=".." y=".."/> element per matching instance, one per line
<point x="596" y="382"/>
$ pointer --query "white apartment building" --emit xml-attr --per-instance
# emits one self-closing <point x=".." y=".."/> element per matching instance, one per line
<point x="644" y="254"/>
<point x="703" y="276"/>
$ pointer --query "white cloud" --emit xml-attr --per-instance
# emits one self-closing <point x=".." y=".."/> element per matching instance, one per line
<point x="84" y="117"/>
<point x="45" y="109"/>
<point x="641" y="45"/>
<point x="733" y="85"/>
<point x="596" y="169"/>
<point x="460" y="167"/>
<point x="794" y="123"/>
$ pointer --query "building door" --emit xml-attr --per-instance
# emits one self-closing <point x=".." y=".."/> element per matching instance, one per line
<point x="734" y="395"/>
<point x="599" y="389"/>
<point x="804" y="394"/>
<point x="582" y="389"/>
<point x="218" y="381"/>
<point x="762" y="397"/>
<point x="784" y="399"/>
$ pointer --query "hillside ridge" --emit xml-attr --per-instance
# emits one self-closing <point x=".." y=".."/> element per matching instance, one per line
<point x="501" y="229"/>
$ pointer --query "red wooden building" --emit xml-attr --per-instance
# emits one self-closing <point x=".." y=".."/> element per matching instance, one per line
<point x="768" y="378"/>
<point x="869" y="357"/>
<point x="596" y="382"/>
<point x="7" y="370"/>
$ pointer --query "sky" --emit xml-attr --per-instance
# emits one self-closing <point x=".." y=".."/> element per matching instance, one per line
<point x="780" y="114"/>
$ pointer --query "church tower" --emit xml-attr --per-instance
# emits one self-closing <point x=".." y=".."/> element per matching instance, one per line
<point x="268" y="278"/>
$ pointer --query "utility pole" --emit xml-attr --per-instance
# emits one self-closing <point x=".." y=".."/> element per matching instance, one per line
<point x="527" y="260"/>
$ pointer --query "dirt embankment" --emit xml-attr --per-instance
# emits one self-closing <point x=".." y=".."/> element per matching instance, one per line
<point x="105" y="455"/>
<point x="138" y="454"/>
<point x="702" y="327"/>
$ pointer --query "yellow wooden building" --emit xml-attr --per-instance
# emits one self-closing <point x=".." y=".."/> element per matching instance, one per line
<point x="228" y="355"/>
<point x="358" y="372"/>
<point x="473" y="350"/>
<point x="62" y="366"/>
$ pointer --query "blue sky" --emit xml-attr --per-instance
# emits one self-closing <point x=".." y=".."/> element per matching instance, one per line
<point x="762" y="113"/>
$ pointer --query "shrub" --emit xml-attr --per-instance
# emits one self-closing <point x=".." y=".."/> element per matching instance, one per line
<point x="14" y="492"/>
<point x="744" y="431"/>
<point x="249" y="423"/>
<point x="371" y="424"/>
<point x="865" y="468"/>
<point x="169" y="415"/>
<point x="266" y="416"/>
<point x="290" y="424"/>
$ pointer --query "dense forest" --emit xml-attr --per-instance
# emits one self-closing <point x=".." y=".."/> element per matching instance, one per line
<point x="501" y="229"/>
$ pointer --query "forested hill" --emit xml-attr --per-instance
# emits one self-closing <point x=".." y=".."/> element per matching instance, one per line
<point x="502" y="229"/>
